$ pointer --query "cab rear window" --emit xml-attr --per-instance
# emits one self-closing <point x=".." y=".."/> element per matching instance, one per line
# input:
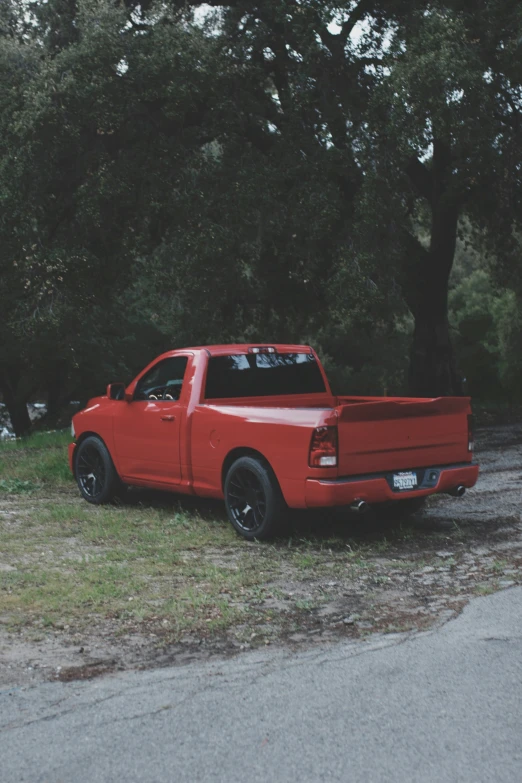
<point x="263" y="375"/>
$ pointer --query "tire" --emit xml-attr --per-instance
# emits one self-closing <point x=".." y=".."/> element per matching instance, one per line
<point x="253" y="499"/>
<point x="95" y="473"/>
<point x="399" y="509"/>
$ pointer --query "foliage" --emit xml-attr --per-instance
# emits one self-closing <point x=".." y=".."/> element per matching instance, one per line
<point x="442" y="131"/>
<point x="295" y="171"/>
<point x="486" y="321"/>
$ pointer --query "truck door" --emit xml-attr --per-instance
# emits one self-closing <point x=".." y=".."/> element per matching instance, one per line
<point x="147" y="429"/>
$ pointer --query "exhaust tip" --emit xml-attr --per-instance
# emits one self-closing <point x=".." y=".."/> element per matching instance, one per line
<point x="457" y="492"/>
<point x="360" y="506"/>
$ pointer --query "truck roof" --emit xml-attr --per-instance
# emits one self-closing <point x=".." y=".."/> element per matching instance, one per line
<point x="220" y="350"/>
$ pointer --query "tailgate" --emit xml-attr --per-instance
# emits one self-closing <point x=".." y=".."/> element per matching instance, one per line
<point x="402" y="433"/>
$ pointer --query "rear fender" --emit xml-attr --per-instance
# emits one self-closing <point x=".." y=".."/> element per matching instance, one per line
<point x="292" y="491"/>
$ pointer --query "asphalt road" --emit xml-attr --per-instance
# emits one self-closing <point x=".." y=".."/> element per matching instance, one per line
<point x="440" y="706"/>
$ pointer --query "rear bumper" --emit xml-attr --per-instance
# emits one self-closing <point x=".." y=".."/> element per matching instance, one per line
<point x="375" y="488"/>
<point x="71" y="448"/>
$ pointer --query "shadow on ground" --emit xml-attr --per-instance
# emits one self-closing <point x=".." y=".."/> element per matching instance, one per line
<point x="441" y="519"/>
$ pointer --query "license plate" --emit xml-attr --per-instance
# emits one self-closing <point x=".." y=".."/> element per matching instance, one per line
<point x="405" y="480"/>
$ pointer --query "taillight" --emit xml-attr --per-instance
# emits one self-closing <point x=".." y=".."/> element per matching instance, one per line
<point x="471" y="432"/>
<point x="323" y="448"/>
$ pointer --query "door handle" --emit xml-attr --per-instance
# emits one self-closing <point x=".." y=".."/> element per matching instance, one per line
<point x="168" y="418"/>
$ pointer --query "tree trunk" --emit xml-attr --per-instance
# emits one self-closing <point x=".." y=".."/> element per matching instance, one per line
<point x="57" y="397"/>
<point x="433" y="370"/>
<point x="432" y="364"/>
<point x="17" y="409"/>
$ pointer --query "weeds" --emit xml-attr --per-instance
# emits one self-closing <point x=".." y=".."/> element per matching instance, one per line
<point x="16" y="486"/>
<point x="39" y="461"/>
<point x="486" y="588"/>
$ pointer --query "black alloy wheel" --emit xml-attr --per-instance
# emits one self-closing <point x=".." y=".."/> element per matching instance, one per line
<point x="254" y="502"/>
<point x="95" y="472"/>
<point x="91" y="472"/>
<point x="247" y="500"/>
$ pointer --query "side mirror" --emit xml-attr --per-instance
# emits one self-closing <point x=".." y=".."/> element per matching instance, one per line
<point x="116" y="391"/>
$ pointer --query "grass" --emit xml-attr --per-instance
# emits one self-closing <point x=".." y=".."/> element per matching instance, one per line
<point x="499" y="565"/>
<point x="38" y="441"/>
<point x="153" y="562"/>
<point x="175" y="569"/>
<point x="74" y="562"/>
<point x="486" y="588"/>
<point x="16" y="486"/>
<point x="37" y="461"/>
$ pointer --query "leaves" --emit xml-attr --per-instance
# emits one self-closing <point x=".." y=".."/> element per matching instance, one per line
<point x="173" y="175"/>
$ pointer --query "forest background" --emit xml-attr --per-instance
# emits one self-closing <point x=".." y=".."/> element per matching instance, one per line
<point x="344" y="174"/>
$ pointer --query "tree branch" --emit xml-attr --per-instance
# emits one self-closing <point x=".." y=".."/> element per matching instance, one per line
<point x="421" y="177"/>
<point x="357" y="14"/>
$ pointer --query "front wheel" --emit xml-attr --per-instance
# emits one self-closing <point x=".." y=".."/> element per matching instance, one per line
<point x="95" y="472"/>
<point x="253" y="499"/>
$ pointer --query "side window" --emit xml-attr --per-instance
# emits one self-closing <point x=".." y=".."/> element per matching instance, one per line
<point x="163" y="381"/>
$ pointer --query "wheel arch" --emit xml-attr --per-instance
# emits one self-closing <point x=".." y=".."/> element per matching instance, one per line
<point x="79" y="441"/>
<point x="243" y="451"/>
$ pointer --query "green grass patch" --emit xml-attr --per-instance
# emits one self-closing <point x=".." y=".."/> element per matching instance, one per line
<point x="16" y="486"/>
<point x="37" y="461"/>
<point x="72" y="564"/>
<point x="75" y="562"/>
<point x="486" y="588"/>
<point x="38" y="441"/>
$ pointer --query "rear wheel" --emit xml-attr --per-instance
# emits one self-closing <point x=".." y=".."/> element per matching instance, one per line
<point x="253" y="499"/>
<point x="95" y="473"/>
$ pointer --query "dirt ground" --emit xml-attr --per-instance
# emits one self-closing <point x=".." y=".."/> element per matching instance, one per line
<point x="385" y="577"/>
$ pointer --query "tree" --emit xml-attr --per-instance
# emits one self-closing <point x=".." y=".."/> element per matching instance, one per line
<point x="446" y="119"/>
<point x="95" y="128"/>
<point x="403" y="103"/>
<point x="292" y="171"/>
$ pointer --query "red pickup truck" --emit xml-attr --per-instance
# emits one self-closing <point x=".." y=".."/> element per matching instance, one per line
<point x="259" y="426"/>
